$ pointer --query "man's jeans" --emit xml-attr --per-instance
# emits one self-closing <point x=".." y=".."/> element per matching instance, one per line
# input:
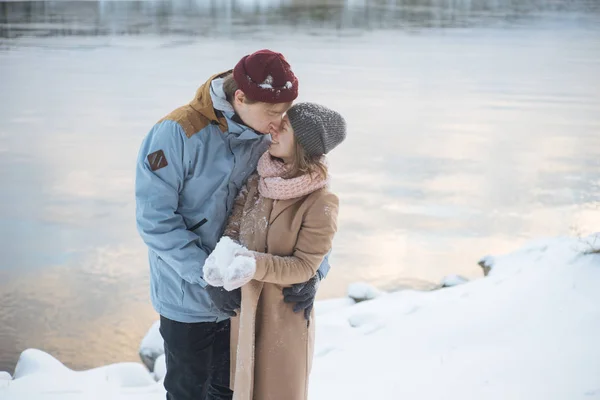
<point x="197" y="357"/>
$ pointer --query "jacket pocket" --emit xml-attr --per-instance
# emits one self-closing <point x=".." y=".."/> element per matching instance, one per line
<point x="169" y="284"/>
<point x="198" y="225"/>
<point x="196" y="298"/>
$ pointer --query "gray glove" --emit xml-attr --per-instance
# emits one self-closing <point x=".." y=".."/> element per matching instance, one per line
<point x="226" y="302"/>
<point x="303" y="294"/>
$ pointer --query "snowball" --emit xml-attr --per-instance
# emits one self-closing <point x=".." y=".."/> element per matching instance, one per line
<point x="211" y="271"/>
<point x="221" y="257"/>
<point x="230" y="265"/>
<point x="239" y="272"/>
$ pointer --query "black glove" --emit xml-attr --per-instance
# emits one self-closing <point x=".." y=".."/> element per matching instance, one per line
<point x="225" y="301"/>
<point x="303" y="294"/>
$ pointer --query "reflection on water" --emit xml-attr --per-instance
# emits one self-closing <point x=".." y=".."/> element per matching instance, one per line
<point x="235" y="17"/>
<point x="462" y="142"/>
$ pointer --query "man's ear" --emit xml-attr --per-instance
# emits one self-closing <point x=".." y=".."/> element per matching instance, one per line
<point x="239" y="97"/>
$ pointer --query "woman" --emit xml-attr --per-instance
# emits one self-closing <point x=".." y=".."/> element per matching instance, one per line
<point x="284" y="221"/>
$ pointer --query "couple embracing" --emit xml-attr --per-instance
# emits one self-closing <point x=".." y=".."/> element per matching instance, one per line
<point x="233" y="203"/>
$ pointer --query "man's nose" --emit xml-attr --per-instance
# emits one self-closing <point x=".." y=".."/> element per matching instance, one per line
<point x="277" y="120"/>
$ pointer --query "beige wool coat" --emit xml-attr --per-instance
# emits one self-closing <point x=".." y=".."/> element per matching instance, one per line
<point x="271" y="346"/>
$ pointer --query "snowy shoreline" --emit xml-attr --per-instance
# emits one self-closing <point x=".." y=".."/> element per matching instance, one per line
<point x="529" y="329"/>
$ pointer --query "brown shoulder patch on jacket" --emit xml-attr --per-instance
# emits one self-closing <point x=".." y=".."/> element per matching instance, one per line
<point x="190" y="120"/>
<point x="157" y="160"/>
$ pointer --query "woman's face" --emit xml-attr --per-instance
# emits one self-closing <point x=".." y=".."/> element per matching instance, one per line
<point x="282" y="141"/>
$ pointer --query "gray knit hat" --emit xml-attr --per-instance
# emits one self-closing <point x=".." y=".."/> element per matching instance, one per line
<point x="317" y="128"/>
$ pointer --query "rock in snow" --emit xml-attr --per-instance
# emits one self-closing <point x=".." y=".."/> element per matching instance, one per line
<point x="453" y="280"/>
<point x="160" y="368"/>
<point x="486" y="264"/>
<point x="152" y="346"/>
<point x="361" y="291"/>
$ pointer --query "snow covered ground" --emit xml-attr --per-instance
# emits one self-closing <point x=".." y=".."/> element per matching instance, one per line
<point x="530" y="330"/>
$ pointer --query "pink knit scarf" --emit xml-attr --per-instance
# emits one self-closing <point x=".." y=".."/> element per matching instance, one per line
<point x="273" y="185"/>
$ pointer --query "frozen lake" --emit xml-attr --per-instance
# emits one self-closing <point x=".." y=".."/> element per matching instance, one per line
<point x="472" y="129"/>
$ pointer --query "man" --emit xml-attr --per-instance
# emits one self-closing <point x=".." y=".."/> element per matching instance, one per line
<point x="190" y="168"/>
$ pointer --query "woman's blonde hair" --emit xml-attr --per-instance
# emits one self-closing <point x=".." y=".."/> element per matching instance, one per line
<point x="306" y="164"/>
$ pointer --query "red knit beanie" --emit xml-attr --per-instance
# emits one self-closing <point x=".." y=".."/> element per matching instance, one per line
<point x="266" y="76"/>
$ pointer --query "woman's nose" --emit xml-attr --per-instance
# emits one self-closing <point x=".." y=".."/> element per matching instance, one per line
<point x="273" y="130"/>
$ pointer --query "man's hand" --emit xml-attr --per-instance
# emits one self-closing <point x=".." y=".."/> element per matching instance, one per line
<point x="303" y="294"/>
<point x="226" y="302"/>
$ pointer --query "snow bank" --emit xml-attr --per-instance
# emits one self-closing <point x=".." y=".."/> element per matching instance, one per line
<point x="528" y="331"/>
<point x="38" y="375"/>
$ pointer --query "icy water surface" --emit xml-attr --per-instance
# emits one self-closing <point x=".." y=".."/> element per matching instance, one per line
<point x="474" y="126"/>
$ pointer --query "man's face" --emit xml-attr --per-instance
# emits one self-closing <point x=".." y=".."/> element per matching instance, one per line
<point x="262" y="117"/>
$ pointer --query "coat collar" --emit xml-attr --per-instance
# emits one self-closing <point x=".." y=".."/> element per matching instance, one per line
<point x="219" y="113"/>
<point x="203" y="103"/>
